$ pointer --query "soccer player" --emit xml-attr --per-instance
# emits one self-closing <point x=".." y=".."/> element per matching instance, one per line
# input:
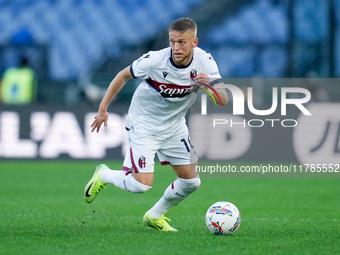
<point x="156" y="120"/>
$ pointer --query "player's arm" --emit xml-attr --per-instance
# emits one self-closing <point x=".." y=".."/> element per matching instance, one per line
<point x="222" y="93"/>
<point x="115" y="86"/>
<point x="202" y="79"/>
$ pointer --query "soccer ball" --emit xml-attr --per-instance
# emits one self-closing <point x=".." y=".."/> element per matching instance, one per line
<point x="223" y="218"/>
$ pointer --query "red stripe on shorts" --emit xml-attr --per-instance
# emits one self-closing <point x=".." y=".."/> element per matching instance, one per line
<point x="133" y="162"/>
<point x="164" y="163"/>
<point x="125" y="168"/>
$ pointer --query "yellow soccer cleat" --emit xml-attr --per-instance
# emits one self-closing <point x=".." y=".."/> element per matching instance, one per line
<point x="159" y="224"/>
<point x="95" y="185"/>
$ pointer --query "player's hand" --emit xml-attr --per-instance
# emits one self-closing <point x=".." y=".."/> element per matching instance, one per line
<point x="102" y="116"/>
<point x="201" y="80"/>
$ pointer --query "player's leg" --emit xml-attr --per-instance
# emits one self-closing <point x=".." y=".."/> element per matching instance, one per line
<point x="128" y="180"/>
<point x="187" y="182"/>
<point x="123" y="179"/>
<point x="136" y="175"/>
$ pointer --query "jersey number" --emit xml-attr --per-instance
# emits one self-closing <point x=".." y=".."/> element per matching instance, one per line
<point x="186" y="144"/>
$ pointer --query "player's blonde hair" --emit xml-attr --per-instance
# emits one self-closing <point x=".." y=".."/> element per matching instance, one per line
<point x="183" y="25"/>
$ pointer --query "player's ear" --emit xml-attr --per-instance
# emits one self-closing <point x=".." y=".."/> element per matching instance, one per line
<point x="195" y="43"/>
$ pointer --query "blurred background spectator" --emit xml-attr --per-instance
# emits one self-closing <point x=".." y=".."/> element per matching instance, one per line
<point x="19" y="85"/>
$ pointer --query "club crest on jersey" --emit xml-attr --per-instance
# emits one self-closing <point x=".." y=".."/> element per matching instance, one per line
<point x="193" y="74"/>
<point x="141" y="162"/>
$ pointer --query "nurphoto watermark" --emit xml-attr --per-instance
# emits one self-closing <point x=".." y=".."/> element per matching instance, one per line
<point x="274" y="128"/>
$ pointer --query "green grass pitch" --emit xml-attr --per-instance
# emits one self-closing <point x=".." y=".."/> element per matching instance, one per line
<point x="43" y="212"/>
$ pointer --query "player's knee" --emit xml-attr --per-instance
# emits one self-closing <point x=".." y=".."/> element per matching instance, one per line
<point x="195" y="184"/>
<point x="190" y="185"/>
<point x="144" y="178"/>
<point x="142" y="188"/>
<point x="137" y="187"/>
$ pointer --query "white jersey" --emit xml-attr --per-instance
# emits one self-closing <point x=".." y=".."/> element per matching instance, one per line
<point x="161" y="101"/>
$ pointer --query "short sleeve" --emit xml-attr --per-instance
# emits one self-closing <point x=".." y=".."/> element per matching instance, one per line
<point x="212" y="70"/>
<point x="140" y="68"/>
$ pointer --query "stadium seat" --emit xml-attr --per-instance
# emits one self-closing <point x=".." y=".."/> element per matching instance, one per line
<point x="259" y="23"/>
<point x="309" y="20"/>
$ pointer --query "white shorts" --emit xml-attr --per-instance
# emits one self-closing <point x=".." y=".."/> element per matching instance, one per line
<point x="172" y="149"/>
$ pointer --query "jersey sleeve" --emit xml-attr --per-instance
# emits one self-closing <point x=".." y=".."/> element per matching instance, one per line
<point x="212" y="70"/>
<point x="140" y="68"/>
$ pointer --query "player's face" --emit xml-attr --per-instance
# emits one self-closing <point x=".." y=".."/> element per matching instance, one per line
<point x="182" y="45"/>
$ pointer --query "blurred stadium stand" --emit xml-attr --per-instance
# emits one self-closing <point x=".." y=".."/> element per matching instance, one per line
<point x="80" y="33"/>
<point x="72" y="42"/>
